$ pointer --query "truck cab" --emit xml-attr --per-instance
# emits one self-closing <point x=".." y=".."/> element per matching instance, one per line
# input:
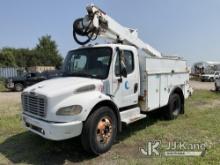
<point x="103" y="63"/>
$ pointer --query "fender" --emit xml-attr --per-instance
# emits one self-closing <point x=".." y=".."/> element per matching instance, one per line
<point x="89" y="101"/>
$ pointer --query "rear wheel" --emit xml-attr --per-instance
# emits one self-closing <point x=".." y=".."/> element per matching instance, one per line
<point x="19" y="87"/>
<point x="175" y="107"/>
<point x="99" y="131"/>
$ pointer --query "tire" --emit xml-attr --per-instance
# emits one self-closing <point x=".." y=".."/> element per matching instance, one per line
<point x="211" y="80"/>
<point x="19" y="87"/>
<point x="174" y="108"/>
<point x="102" y="122"/>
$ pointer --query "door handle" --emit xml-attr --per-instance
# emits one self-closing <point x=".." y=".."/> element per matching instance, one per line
<point x="135" y="87"/>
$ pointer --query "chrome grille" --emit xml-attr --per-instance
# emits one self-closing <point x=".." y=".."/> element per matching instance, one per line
<point x="34" y="104"/>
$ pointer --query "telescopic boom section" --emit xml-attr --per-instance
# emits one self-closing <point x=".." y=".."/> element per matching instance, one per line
<point x="98" y="23"/>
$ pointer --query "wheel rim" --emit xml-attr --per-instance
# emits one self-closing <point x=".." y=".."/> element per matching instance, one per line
<point x="104" y="130"/>
<point x="176" y="107"/>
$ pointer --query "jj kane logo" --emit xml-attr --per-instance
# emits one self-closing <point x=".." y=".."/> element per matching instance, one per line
<point x="177" y="148"/>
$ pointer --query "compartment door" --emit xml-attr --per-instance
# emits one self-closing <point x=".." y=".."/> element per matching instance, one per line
<point x="153" y="94"/>
<point x="164" y="91"/>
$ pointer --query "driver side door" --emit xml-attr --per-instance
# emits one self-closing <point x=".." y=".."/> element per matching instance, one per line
<point x="125" y="89"/>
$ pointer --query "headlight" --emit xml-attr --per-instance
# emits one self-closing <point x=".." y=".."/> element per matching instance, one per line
<point x="70" y="110"/>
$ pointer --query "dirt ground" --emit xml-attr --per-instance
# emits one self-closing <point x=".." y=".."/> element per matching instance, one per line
<point x="7" y="97"/>
<point x="202" y="85"/>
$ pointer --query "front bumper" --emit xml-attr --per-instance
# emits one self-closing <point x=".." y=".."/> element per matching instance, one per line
<point x="51" y="130"/>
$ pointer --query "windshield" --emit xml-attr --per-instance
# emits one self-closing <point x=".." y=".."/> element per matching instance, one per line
<point x="88" y="62"/>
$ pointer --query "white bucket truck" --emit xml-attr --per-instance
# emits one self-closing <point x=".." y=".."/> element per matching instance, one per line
<point x="104" y="86"/>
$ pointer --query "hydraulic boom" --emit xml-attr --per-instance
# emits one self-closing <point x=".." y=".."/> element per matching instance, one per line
<point x="98" y="23"/>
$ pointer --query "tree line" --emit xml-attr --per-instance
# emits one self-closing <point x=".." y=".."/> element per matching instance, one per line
<point x="45" y="53"/>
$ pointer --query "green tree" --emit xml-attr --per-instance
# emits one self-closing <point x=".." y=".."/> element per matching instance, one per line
<point x="48" y="52"/>
<point x="45" y="53"/>
<point x="7" y="58"/>
<point x="22" y="57"/>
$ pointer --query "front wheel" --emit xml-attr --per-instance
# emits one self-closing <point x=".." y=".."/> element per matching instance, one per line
<point x="19" y="87"/>
<point x="175" y="107"/>
<point x="99" y="131"/>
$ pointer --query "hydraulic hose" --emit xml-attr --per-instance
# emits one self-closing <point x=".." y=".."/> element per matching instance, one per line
<point x="84" y="31"/>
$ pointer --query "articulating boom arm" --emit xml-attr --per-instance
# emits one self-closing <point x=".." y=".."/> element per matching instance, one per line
<point x="98" y="23"/>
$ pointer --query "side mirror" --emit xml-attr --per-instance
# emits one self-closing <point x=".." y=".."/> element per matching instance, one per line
<point x="123" y="70"/>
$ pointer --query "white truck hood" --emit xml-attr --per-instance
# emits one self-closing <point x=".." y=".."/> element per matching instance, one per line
<point x="63" y="85"/>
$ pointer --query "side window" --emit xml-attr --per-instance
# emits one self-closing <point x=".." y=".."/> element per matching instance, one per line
<point x="127" y="59"/>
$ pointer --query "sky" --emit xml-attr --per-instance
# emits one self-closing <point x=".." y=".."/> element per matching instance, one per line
<point x="187" y="28"/>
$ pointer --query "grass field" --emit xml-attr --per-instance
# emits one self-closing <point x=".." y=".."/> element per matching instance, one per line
<point x="199" y="124"/>
<point x="2" y="86"/>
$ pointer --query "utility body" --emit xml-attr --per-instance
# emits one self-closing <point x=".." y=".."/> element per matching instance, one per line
<point x="105" y="85"/>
